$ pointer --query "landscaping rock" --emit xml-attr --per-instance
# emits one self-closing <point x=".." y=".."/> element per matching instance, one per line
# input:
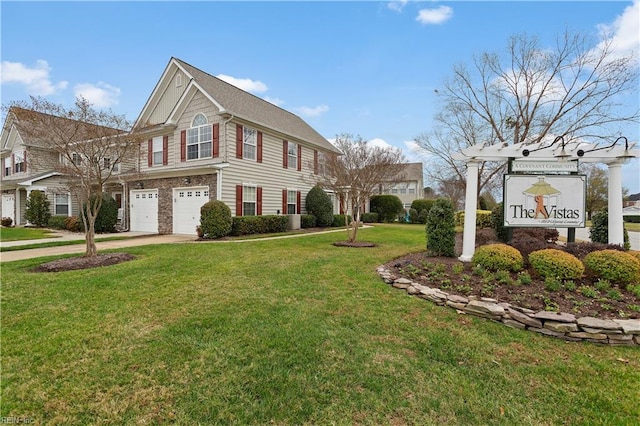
<point x="562" y="327"/>
<point x="599" y="330"/>
<point x="555" y="316"/>
<point x="484" y="309"/>
<point x="524" y="318"/>
<point x="547" y="332"/>
<point x="631" y="326"/>
<point x="514" y="324"/>
<point x="457" y="299"/>
<point x="592" y="322"/>
<point x="585" y="335"/>
<point x="456" y="305"/>
<point x="412" y="290"/>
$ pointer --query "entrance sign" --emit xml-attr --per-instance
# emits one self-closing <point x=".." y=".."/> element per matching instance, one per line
<point x="544" y="166"/>
<point x="554" y="201"/>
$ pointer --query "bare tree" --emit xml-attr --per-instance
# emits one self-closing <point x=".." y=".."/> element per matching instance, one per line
<point x="356" y="175"/>
<point x="574" y="88"/>
<point x="83" y="145"/>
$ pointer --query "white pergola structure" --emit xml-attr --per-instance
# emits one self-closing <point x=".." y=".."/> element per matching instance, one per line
<point x="549" y="149"/>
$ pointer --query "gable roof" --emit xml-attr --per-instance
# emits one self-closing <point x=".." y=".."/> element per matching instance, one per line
<point x="244" y="105"/>
<point x="34" y="127"/>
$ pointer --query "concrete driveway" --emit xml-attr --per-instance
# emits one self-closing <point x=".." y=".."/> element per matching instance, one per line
<point x="582" y="234"/>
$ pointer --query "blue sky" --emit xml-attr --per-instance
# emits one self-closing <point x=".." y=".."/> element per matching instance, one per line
<point x="363" y="67"/>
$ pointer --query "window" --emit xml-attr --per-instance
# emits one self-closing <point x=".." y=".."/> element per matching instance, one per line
<point x="157" y="149"/>
<point x="292" y="154"/>
<point x="412" y="188"/>
<point x="76" y="159"/>
<point x="20" y="163"/>
<point x="106" y="163"/>
<point x="178" y="80"/>
<point x="198" y="139"/>
<point x="116" y="168"/>
<point x="249" y="143"/>
<point x="249" y="201"/>
<point x="292" y="197"/>
<point x="7" y="166"/>
<point x="61" y="202"/>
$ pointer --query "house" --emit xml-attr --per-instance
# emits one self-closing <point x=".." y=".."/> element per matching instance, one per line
<point x="408" y="185"/>
<point x="30" y="163"/>
<point x="205" y="139"/>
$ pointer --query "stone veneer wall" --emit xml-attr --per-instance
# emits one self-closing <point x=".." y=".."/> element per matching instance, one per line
<point x="555" y="324"/>
<point x="165" y="195"/>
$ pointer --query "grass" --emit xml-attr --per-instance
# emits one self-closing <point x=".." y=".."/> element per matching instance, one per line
<point x="80" y="240"/>
<point x="293" y="331"/>
<point x="21" y="234"/>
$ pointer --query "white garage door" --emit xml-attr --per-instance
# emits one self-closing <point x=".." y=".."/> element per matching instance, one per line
<point x="186" y="208"/>
<point x="144" y="210"/>
<point x="9" y="206"/>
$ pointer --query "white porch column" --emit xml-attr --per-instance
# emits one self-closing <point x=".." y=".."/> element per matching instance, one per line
<point x="470" y="206"/>
<point x="18" y="212"/>
<point x="616" y="226"/>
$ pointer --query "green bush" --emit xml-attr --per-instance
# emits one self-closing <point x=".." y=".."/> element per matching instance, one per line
<point x="318" y="203"/>
<point x="556" y="264"/>
<point x="248" y="225"/>
<point x="497" y="222"/>
<point x="413" y="216"/>
<point x="422" y="204"/>
<point x="37" y="209"/>
<point x="441" y="229"/>
<point x="631" y="218"/>
<point x="215" y="219"/>
<point x="599" y="231"/>
<point x="307" y="221"/>
<point x="57" y="222"/>
<point x="369" y="217"/>
<point x="483" y="218"/>
<point x="616" y="266"/>
<point x="496" y="257"/>
<point x="107" y="216"/>
<point x="339" y="220"/>
<point x="422" y="216"/>
<point x="387" y="206"/>
<point x="6" y="222"/>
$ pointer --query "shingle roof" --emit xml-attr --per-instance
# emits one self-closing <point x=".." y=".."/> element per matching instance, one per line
<point x="245" y="105"/>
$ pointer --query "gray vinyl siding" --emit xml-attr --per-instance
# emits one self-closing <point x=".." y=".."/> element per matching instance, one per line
<point x="269" y="175"/>
<point x="169" y="96"/>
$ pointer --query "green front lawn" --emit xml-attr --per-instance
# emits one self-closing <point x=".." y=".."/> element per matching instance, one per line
<point x="20" y="234"/>
<point x="292" y="331"/>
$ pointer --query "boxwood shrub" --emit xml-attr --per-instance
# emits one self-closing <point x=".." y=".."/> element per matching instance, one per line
<point x="554" y="263"/>
<point x="441" y="229"/>
<point x="387" y="206"/>
<point x="483" y="218"/>
<point x="57" y="222"/>
<point x="339" y="220"/>
<point x="496" y="257"/>
<point x="307" y="221"/>
<point x="247" y="225"/>
<point x="616" y="266"/>
<point x="215" y="219"/>
<point x="369" y="217"/>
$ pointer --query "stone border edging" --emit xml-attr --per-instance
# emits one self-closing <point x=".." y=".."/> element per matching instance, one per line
<point x="561" y="325"/>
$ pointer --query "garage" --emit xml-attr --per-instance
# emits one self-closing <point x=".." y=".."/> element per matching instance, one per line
<point x="144" y="210"/>
<point x="186" y="208"/>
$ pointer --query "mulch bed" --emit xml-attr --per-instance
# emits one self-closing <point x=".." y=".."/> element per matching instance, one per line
<point x="76" y="263"/>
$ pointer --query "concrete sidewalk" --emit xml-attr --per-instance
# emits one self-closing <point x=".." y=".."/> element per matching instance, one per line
<point x="135" y="239"/>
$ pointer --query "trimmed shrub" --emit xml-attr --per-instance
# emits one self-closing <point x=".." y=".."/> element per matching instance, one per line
<point x="6" y="222"/>
<point x="388" y="207"/>
<point x="422" y="216"/>
<point x="37" y="209"/>
<point x="483" y="218"/>
<point x="215" y="219"/>
<point x="413" y="216"/>
<point x="616" y="266"/>
<point x="549" y="235"/>
<point x="441" y="229"/>
<point x="247" y="225"/>
<point x="497" y="222"/>
<point x="599" y="231"/>
<point x="556" y="263"/>
<point x="339" y="220"/>
<point x="369" y="217"/>
<point x="307" y="221"/>
<point x="527" y="244"/>
<point x="497" y="257"/>
<point x="318" y="203"/>
<point x="582" y="248"/>
<point x="422" y="204"/>
<point x="107" y="215"/>
<point x="631" y="218"/>
<point x="73" y="224"/>
<point x="57" y="222"/>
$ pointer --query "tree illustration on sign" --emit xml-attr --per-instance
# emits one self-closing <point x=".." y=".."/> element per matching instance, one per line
<point x="541" y="191"/>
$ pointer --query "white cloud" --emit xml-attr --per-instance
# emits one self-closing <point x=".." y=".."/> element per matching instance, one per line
<point x="312" y="111"/>
<point x="275" y="101"/>
<point x="397" y="5"/>
<point x="623" y="32"/>
<point x="434" y="16"/>
<point x="415" y="153"/>
<point x="380" y="143"/>
<point x="36" y="79"/>
<point x="101" y="95"/>
<point x="245" y="84"/>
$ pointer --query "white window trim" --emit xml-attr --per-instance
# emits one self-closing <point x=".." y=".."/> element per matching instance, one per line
<point x="56" y="204"/>
<point x="157" y="146"/>
<point x="292" y="155"/>
<point x="199" y="142"/>
<point x="249" y="143"/>
<point x="246" y="186"/>
<point x="292" y="200"/>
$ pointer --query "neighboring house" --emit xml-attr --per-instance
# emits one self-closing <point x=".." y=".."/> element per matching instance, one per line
<point x="632" y="200"/>
<point x="29" y="164"/>
<point x="408" y="186"/>
<point x="206" y="139"/>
